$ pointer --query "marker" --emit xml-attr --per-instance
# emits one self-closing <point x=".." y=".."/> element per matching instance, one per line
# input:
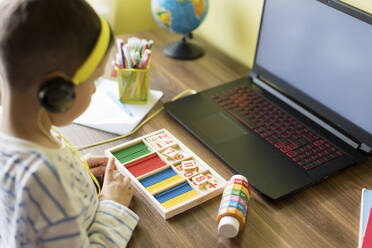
<point x="133" y="57"/>
<point x="150" y="44"/>
<point x="142" y="46"/>
<point x="138" y="57"/>
<point x="145" y="48"/>
<point x="144" y="58"/>
<point x="118" y="60"/>
<point x="119" y="43"/>
<point x="147" y="60"/>
<point x="122" y="53"/>
<point x="142" y="61"/>
<point x="127" y="55"/>
<point x="133" y="43"/>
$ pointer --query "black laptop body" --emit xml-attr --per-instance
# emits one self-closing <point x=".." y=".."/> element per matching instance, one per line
<point x="279" y="84"/>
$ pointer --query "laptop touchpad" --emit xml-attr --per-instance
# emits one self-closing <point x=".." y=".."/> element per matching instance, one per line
<point x="218" y="127"/>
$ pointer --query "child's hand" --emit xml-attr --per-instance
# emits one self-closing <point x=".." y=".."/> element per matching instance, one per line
<point x="97" y="164"/>
<point x="116" y="187"/>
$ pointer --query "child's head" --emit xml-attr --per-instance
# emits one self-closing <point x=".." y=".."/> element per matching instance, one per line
<point x="43" y="39"/>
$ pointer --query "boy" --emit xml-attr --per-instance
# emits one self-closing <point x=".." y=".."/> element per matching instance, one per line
<point x="51" y="52"/>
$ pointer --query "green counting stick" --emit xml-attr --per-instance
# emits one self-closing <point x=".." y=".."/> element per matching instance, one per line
<point x="132" y="152"/>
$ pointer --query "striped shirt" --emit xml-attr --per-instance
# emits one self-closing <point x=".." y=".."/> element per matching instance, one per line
<point x="47" y="199"/>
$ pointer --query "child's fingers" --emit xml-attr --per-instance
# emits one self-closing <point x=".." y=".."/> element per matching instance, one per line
<point x="98" y="171"/>
<point x="127" y="185"/>
<point x="131" y="190"/>
<point x="117" y="176"/>
<point x="110" y="169"/>
<point x="126" y="181"/>
<point x="95" y="161"/>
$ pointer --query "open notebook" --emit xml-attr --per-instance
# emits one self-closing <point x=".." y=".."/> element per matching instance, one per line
<point x="107" y="113"/>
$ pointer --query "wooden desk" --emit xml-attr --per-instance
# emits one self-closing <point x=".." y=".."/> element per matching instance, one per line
<point x="324" y="215"/>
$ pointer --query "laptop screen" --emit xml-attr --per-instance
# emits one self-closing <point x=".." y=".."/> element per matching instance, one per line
<point x="323" y="58"/>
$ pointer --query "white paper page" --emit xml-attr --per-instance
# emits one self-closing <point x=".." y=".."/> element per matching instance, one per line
<point x="107" y="113"/>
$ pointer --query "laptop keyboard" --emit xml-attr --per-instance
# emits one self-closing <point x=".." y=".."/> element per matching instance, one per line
<point x="289" y="136"/>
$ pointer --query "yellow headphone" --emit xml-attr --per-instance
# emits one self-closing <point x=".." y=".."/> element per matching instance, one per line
<point x="57" y="94"/>
<point x="96" y="56"/>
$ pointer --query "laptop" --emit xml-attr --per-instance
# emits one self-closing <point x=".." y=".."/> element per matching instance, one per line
<point x="304" y="111"/>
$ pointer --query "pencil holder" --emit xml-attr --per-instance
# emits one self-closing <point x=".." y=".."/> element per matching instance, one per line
<point x="133" y="85"/>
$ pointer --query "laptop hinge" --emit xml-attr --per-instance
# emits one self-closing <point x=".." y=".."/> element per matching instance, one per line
<point x="253" y="75"/>
<point x="363" y="147"/>
<point x="347" y="140"/>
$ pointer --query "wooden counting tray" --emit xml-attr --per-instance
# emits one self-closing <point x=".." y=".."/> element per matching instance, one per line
<point x="172" y="177"/>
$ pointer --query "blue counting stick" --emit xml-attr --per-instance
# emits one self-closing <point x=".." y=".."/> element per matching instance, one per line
<point x="158" y="177"/>
<point x="173" y="192"/>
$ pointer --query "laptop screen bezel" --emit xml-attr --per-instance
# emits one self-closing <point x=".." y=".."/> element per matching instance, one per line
<point x="320" y="110"/>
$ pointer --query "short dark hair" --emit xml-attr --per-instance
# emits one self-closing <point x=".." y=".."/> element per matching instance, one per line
<point x="42" y="36"/>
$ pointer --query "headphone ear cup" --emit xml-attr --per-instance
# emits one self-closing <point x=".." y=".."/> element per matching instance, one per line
<point x="57" y="94"/>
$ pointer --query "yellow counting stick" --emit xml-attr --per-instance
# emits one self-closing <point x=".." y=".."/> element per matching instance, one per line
<point x="164" y="183"/>
<point x="179" y="199"/>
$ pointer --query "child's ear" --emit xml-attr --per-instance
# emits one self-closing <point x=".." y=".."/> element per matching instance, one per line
<point x="56" y="93"/>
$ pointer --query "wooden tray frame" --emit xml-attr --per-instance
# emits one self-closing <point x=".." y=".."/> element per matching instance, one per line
<point x="167" y="213"/>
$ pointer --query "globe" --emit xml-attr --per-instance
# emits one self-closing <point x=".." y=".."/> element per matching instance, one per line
<point x="181" y="17"/>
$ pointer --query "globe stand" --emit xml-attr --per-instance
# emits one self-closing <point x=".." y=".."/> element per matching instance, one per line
<point x="184" y="49"/>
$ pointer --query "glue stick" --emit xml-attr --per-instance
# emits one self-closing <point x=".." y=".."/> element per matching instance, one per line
<point x="233" y="207"/>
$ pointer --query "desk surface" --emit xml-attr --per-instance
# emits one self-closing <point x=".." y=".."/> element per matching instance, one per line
<point x="324" y="215"/>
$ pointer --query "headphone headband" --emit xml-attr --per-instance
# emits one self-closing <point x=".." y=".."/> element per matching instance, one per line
<point x="96" y="56"/>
